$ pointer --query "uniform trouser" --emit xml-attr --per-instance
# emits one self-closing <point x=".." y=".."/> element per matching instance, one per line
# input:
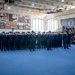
<point x="31" y="46"/>
<point x="4" y="46"/>
<point x="55" y="43"/>
<point x="24" y="45"/>
<point x="44" y="44"/>
<point x="38" y="44"/>
<point x="64" y="44"/>
<point x="16" y="45"/>
<point x="59" y="43"/>
<point x="10" y="46"/>
<point x="69" y="42"/>
<point x="0" y="46"/>
<point x="49" y="46"/>
<point x="21" y="45"/>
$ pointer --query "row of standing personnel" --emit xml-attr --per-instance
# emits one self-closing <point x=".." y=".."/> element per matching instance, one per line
<point x="31" y="41"/>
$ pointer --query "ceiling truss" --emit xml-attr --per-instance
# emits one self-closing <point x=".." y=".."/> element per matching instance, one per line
<point x="40" y="6"/>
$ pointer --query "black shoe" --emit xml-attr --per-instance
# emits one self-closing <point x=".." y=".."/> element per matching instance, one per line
<point x="48" y="49"/>
<point x="30" y="50"/>
<point x="64" y="47"/>
<point x="33" y="50"/>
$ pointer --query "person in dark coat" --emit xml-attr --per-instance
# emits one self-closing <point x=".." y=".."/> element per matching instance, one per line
<point x="10" y="41"/>
<point x="43" y="40"/>
<point x="7" y="38"/>
<point x="49" y="41"/>
<point x="1" y="41"/>
<point x="65" y="41"/>
<point x="19" y="46"/>
<point x="16" y="42"/>
<point x="13" y="42"/>
<point x="69" y="39"/>
<point x="55" y="40"/>
<point x="27" y="40"/>
<point x="22" y="41"/>
<point x="39" y="40"/>
<point x="59" y="39"/>
<point x="32" y="41"/>
<point x="4" y="41"/>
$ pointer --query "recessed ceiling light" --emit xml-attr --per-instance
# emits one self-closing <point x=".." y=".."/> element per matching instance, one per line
<point x="9" y="8"/>
<point x="62" y="0"/>
<point x="33" y="4"/>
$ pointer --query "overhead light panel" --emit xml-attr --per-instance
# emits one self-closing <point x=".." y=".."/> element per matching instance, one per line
<point x="33" y="4"/>
<point x="62" y="0"/>
<point x="9" y="8"/>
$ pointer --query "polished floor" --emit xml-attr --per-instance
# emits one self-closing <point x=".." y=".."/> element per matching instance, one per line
<point x="58" y="61"/>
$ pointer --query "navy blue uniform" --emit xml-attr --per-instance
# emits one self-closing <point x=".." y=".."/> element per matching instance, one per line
<point x="0" y="41"/>
<point x="32" y="42"/>
<point x="43" y="40"/>
<point x="9" y="42"/>
<point x="49" y="41"/>
<point x="16" y="42"/>
<point x="39" y="40"/>
<point x="59" y="40"/>
<point x="65" y="41"/>
<point x="4" y="42"/>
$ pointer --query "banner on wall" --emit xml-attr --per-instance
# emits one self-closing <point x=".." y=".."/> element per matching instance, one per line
<point x="23" y="19"/>
<point x="7" y="25"/>
<point x="13" y="17"/>
<point x="25" y="26"/>
<point x="27" y="19"/>
<point x="4" y="16"/>
<point x="14" y="21"/>
<point x="68" y="23"/>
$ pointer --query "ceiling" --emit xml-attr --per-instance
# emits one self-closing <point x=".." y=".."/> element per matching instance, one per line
<point x="37" y="6"/>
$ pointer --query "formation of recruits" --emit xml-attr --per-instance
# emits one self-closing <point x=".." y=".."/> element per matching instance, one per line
<point x="32" y="41"/>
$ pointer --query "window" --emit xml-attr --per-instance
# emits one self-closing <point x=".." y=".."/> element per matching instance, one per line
<point x="52" y="25"/>
<point x="34" y="27"/>
<point x="37" y="25"/>
<point x="56" y="26"/>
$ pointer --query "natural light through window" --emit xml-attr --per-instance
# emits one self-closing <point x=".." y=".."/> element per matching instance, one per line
<point x="62" y="0"/>
<point x="52" y="25"/>
<point x="37" y="25"/>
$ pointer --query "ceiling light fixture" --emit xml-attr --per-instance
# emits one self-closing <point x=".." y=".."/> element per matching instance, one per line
<point x="9" y="8"/>
<point x="33" y="4"/>
<point x="62" y="0"/>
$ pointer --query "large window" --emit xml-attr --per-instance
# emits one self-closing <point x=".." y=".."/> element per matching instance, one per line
<point x="37" y="25"/>
<point x="52" y="25"/>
